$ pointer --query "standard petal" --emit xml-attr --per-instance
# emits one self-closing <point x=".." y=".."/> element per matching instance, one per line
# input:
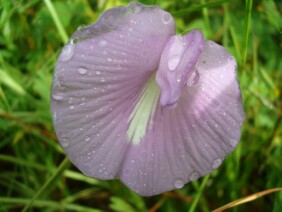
<point x="192" y="139"/>
<point x="98" y="79"/>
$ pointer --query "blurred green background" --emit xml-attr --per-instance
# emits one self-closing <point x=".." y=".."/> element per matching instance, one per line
<point x="32" y="34"/>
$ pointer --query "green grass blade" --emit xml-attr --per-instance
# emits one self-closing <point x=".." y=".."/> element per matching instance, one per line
<point x="247" y="23"/>
<point x="57" y="21"/>
<point x="199" y="193"/>
<point x="60" y="169"/>
<point x="183" y="12"/>
<point x="58" y="206"/>
<point x="21" y="162"/>
<point x="11" y="83"/>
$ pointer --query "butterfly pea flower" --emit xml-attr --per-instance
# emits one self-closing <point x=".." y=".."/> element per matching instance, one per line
<point x="130" y="99"/>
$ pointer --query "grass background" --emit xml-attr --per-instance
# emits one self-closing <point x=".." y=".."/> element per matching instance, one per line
<point x="34" y="173"/>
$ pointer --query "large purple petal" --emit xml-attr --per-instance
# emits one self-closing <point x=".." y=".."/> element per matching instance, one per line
<point x="192" y="139"/>
<point x="106" y="110"/>
<point x="98" y="79"/>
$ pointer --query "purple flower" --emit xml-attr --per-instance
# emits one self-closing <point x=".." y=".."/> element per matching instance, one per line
<point x="130" y="99"/>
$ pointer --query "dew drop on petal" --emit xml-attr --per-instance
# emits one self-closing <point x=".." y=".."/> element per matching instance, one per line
<point x="233" y="142"/>
<point x="194" y="79"/>
<point x="67" y="53"/>
<point x="166" y="18"/>
<point x="231" y="58"/>
<point x="98" y="72"/>
<point x="58" y="96"/>
<point x="173" y="62"/>
<point x="82" y="70"/>
<point x="178" y="183"/>
<point x="55" y="117"/>
<point x="194" y="176"/>
<point x="71" y="107"/>
<point x="81" y="27"/>
<point x="74" y="41"/>
<point x="211" y="43"/>
<point x="103" y="43"/>
<point x="109" y="59"/>
<point x="65" y="144"/>
<point x="137" y="9"/>
<point x="216" y="163"/>
<point x="87" y="139"/>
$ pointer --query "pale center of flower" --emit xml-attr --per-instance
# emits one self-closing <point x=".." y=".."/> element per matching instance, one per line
<point x="141" y="118"/>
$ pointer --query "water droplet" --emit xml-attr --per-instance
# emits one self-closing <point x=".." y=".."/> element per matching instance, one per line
<point x="179" y="183"/>
<point x="136" y="9"/>
<point x="81" y="27"/>
<point x="109" y="59"/>
<point x="70" y="100"/>
<point x="194" y="79"/>
<point x="211" y="44"/>
<point x="178" y="80"/>
<point x="55" y="116"/>
<point x="173" y="62"/>
<point x="67" y="53"/>
<point x="194" y="176"/>
<point x="231" y="58"/>
<point x="74" y="41"/>
<point x="216" y="163"/>
<point x="103" y="43"/>
<point x="166" y="18"/>
<point x="82" y="101"/>
<point x="65" y="144"/>
<point x="98" y="72"/>
<point x="71" y="107"/>
<point x="203" y="88"/>
<point x="87" y="139"/>
<point x="82" y="70"/>
<point x="233" y="142"/>
<point x="58" y="96"/>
